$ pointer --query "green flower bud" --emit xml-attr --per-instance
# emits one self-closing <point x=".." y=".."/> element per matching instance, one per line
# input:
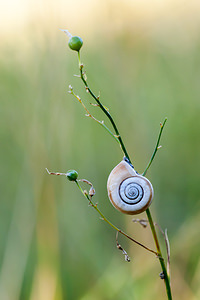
<point x="75" y="43"/>
<point x="72" y="175"/>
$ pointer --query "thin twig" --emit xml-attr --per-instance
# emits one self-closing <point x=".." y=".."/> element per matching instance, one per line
<point x="92" y="190"/>
<point x="157" y="147"/>
<point x="164" y="233"/>
<point x="53" y="173"/>
<point x="91" y="116"/>
<point x="106" y="112"/>
<point x="127" y="258"/>
<point x="142" y="222"/>
<point x="112" y="225"/>
<point x="168" y="253"/>
<point x="162" y="263"/>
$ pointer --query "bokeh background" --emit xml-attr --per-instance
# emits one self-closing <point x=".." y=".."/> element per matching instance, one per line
<point x="143" y="56"/>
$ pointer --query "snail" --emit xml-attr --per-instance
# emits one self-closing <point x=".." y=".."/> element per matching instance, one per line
<point x="128" y="191"/>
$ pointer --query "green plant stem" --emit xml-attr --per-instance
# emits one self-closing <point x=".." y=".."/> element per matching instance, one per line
<point x="91" y="116"/>
<point x="162" y="263"/>
<point x="109" y="223"/>
<point x="106" y="112"/>
<point x="156" y="147"/>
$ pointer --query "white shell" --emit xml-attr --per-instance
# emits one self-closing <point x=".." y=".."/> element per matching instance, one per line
<point x="129" y="192"/>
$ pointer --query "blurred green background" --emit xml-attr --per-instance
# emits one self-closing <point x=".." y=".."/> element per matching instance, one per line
<point x="144" y="58"/>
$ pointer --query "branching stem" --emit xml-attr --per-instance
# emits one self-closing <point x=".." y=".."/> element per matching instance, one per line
<point x="91" y="116"/>
<point x="109" y="223"/>
<point x="106" y="112"/>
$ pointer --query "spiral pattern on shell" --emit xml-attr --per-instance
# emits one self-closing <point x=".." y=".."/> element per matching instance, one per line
<point x="129" y="192"/>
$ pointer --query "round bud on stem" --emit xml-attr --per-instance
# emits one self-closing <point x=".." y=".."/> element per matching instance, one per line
<point x="75" y="43"/>
<point x="72" y="175"/>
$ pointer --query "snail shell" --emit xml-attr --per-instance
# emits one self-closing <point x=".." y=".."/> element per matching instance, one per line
<point x="129" y="192"/>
